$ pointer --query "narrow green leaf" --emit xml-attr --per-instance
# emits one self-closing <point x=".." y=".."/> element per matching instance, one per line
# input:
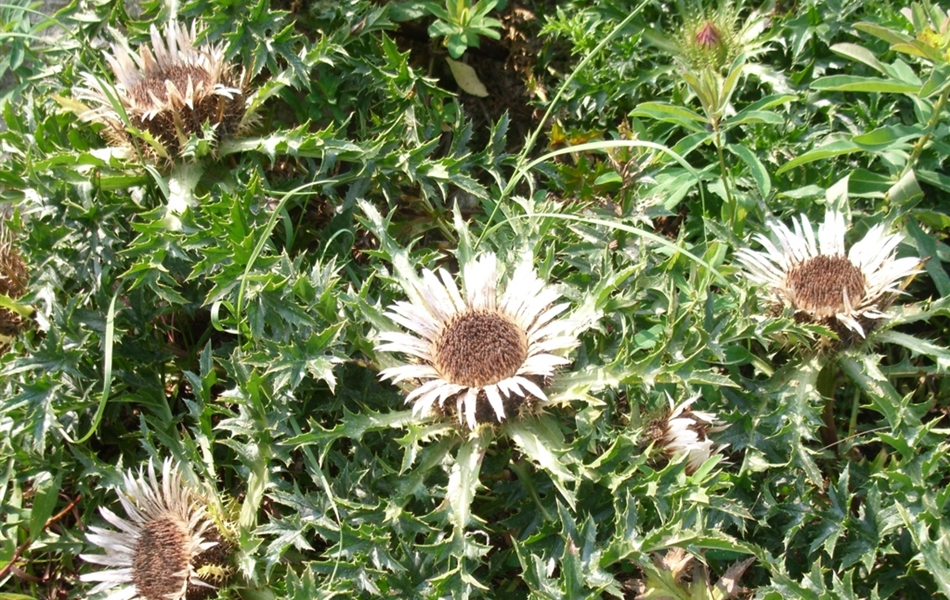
<point x="690" y="142"/>
<point x="758" y="171"/>
<point x="853" y="83"/>
<point x="918" y="347"/>
<point x="890" y="135"/>
<point x="46" y="494"/>
<point x="918" y="48"/>
<point x="108" y="343"/>
<point x="754" y="116"/>
<point x="826" y="151"/>
<point x="670" y="113"/>
<point x="860" y="54"/>
<point x="882" y="32"/>
<point x="938" y="180"/>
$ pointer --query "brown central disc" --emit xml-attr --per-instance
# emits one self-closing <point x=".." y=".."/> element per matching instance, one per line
<point x="480" y="348"/>
<point x="161" y="555"/>
<point x="178" y="75"/>
<point x="818" y="284"/>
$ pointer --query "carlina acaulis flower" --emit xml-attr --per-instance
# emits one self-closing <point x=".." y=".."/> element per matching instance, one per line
<point x="171" y="89"/>
<point x="846" y="292"/>
<point x="685" y="432"/>
<point x="166" y="548"/>
<point x="485" y="349"/>
<point x="13" y="280"/>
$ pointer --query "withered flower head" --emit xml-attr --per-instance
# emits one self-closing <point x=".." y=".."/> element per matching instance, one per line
<point x="13" y="280"/>
<point x="170" y="90"/>
<point x="485" y="345"/>
<point x="165" y="548"/>
<point x="685" y="432"/>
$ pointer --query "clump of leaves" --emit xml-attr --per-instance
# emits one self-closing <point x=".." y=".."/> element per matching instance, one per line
<point x="462" y="23"/>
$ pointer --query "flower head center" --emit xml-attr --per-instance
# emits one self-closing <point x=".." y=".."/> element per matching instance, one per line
<point x="826" y="285"/>
<point x="160" y="562"/>
<point x="155" y="86"/>
<point x="479" y="348"/>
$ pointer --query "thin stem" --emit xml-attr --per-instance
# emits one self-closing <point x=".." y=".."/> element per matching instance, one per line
<point x="855" y="406"/>
<point x="18" y="552"/>
<point x="928" y="133"/>
<point x="533" y="136"/>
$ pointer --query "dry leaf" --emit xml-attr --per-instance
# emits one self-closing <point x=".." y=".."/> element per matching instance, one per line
<point x="466" y="78"/>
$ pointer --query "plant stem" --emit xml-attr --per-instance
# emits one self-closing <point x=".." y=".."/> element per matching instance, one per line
<point x="825" y="385"/>
<point x="928" y="133"/>
<point x="533" y="136"/>
<point x="726" y="175"/>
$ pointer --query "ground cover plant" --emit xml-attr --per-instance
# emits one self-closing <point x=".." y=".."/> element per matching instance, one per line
<point x="474" y="300"/>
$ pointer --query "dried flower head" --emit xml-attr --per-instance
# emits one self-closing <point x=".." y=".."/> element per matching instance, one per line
<point x="685" y="432"/>
<point x="820" y="282"/>
<point x="483" y="346"/>
<point x="169" y="90"/>
<point x="13" y="280"/>
<point x="165" y="548"/>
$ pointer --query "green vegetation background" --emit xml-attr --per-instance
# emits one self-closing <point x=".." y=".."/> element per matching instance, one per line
<point x="241" y="343"/>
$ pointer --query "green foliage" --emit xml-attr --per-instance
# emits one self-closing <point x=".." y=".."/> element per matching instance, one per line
<point x="225" y="310"/>
<point x="462" y="23"/>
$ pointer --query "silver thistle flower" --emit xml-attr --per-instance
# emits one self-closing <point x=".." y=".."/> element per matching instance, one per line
<point x="823" y="284"/>
<point x="481" y="345"/>
<point x="152" y="553"/>
<point x="169" y="89"/>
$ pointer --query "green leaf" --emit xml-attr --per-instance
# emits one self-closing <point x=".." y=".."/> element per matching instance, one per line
<point x="46" y="494"/>
<point x="927" y="250"/>
<point x="866" y="184"/>
<point x="932" y="553"/>
<point x="918" y="48"/>
<point x="853" y="83"/>
<point x="463" y="478"/>
<point x="937" y="82"/>
<point x="864" y="370"/>
<point x="541" y="441"/>
<point x="753" y="116"/>
<point x="860" y="54"/>
<point x="887" y="136"/>
<point x="888" y="35"/>
<point x="830" y="150"/>
<point x="905" y="193"/>
<point x="918" y="347"/>
<point x="758" y="171"/>
<point x="670" y="113"/>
